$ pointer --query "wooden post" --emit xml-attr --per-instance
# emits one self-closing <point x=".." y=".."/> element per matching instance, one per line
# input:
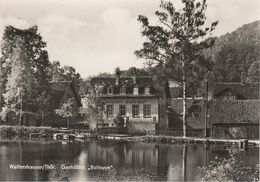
<point x="184" y="162"/>
<point x="42" y="118"/>
<point x="21" y="109"/>
<point x="206" y="111"/>
<point x="1" y="86"/>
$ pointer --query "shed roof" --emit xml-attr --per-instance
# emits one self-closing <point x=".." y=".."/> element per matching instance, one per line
<point x="234" y="111"/>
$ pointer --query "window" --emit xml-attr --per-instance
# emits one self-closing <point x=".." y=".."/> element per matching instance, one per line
<point x="147" y="90"/>
<point x="110" y="111"/>
<point x="135" y="90"/>
<point x="122" y="90"/>
<point x="110" y="90"/>
<point x="135" y="111"/>
<point x="122" y="110"/>
<point x="147" y="111"/>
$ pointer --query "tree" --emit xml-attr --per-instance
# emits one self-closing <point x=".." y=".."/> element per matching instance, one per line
<point x="95" y="106"/>
<point x="174" y="46"/>
<point x="36" y="56"/>
<point x="20" y="82"/>
<point x="67" y="110"/>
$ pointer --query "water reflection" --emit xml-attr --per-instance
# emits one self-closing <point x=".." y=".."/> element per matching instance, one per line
<point x="129" y="160"/>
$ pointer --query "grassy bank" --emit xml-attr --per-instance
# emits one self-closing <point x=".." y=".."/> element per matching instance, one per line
<point x="26" y="131"/>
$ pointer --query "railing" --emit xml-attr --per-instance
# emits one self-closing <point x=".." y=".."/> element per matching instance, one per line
<point x="179" y="132"/>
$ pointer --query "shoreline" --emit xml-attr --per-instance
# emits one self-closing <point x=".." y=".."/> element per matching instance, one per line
<point x="178" y="139"/>
<point x="43" y="133"/>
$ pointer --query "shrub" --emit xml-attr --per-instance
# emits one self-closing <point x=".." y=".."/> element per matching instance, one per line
<point x="229" y="169"/>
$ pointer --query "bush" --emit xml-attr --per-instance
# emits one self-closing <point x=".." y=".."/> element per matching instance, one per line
<point x="229" y="170"/>
<point x="22" y="131"/>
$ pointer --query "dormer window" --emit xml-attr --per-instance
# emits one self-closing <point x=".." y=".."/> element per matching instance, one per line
<point x="109" y="90"/>
<point x="147" y="90"/>
<point x="123" y="90"/>
<point x="136" y="90"/>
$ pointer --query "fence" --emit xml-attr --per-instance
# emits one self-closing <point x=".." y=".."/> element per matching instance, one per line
<point x="112" y="130"/>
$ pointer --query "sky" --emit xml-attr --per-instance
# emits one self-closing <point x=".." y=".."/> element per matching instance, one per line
<point x="97" y="36"/>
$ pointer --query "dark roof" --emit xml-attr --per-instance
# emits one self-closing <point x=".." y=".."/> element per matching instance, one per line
<point x="156" y="84"/>
<point x="224" y="111"/>
<point x="128" y="81"/>
<point x="234" y="111"/>
<point x="177" y="104"/>
<point x="243" y="91"/>
<point x="59" y="89"/>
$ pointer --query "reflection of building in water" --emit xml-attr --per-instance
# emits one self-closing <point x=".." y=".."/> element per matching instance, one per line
<point x="82" y="162"/>
<point x="128" y="154"/>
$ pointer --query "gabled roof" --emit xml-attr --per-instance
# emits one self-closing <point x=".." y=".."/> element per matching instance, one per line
<point x="246" y="90"/>
<point x="59" y="89"/>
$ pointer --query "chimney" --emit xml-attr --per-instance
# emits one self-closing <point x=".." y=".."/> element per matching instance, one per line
<point x="134" y="75"/>
<point x="243" y="78"/>
<point x="117" y="72"/>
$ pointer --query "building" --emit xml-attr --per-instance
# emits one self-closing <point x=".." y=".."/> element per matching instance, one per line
<point x="61" y="91"/>
<point x="140" y="100"/>
<point x="234" y="110"/>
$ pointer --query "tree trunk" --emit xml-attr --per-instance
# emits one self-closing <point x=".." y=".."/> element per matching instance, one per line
<point x="21" y="109"/>
<point x="42" y="118"/>
<point x="184" y="108"/>
<point x="20" y="119"/>
<point x="68" y="123"/>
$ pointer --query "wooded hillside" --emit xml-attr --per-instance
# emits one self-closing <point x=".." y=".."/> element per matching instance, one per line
<point x="236" y="52"/>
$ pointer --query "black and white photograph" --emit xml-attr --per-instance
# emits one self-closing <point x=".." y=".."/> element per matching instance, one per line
<point x="129" y="90"/>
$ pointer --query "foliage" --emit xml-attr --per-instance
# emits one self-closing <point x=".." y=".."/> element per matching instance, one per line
<point x="67" y="109"/>
<point x="43" y="102"/>
<point x="234" y="53"/>
<point x="95" y="106"/>
<point x="24" y="69"/>
<point x="174" y="46"/>
<point x="20" y="82"/>
<point x="119" y="121"/>
<point x="230" y="169"/>
<point x="14" y="131"/>
<point x="64" y="73"/>
<point x="34" y="47"/>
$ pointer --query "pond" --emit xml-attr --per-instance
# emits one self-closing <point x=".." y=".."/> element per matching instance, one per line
<point x="109" y="160"/>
